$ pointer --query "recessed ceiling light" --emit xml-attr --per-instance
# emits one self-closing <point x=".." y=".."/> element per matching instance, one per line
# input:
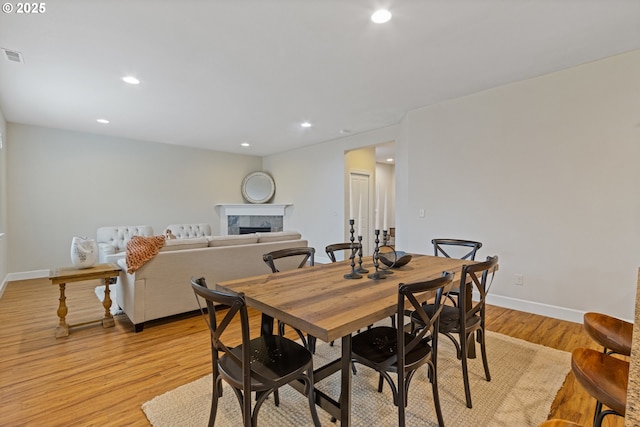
<point x="245" y="144"/>
<point x="390" y="159"/>
<point x="305" y="124"/>
<point x="381" y="16"/>
<point x="131" y="80"/>
<point x="103" y="121"/>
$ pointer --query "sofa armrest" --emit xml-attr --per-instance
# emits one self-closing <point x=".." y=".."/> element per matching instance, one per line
<point x="104" y="250"/>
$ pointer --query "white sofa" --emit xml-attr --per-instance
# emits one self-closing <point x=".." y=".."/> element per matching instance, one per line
<point x="161" y="287"/>
<point x="112" y="241"/>
<point x="189" y="231"/>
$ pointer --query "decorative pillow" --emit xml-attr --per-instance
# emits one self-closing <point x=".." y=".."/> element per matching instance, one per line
<point x="179" y="244"/>
<point x="278" y="236"/>
<point x="233" y="240"/>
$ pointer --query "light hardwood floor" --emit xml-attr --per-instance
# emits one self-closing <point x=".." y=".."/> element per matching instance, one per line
<point x="101" y="377"/>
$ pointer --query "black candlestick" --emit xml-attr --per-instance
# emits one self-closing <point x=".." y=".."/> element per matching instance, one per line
<point x="353" y="274"/>
<point x="360" y="268"/>
<point x="378" y="274"/>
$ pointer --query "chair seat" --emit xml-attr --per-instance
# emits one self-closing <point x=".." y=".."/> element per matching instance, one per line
<point x="449" y="319"/>
<point x="603" y="376"/>
<point x="274" y="357"/>
<point x="610" y="332"/>
<point x="378" y="344"/>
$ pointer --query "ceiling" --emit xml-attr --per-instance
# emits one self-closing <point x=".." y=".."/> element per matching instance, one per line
<point x="218" y="73"/>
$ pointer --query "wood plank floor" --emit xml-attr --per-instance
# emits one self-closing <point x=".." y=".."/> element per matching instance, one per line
<point x="101" y="377"/>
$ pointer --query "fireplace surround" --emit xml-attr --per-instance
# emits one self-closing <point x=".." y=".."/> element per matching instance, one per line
<point x="266" y="217"/>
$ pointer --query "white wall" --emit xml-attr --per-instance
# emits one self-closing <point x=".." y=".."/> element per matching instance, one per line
<point x="313" y="178"/>
<point x="544" y="172"/>
<point x="64" y="184"/>
<point x="3" y="204"/>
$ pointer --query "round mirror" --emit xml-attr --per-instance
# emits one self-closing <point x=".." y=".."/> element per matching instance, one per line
<point x="258" y="187"/>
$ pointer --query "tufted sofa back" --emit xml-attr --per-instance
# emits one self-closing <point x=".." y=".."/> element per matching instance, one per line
<point x="189" y="231"/>
<point x="112" y="240"/>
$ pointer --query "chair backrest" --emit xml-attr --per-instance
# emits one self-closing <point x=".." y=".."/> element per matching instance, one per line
<point x="331" y="249"/>
<point x="306" y="254"/>
<point x="479" y="276"/>
<point x="237" y="307"/>
<point x="456" y="248"/>
<point x="411" y="297"/>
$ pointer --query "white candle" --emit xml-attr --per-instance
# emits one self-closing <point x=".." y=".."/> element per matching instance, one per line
<point x="350" y="200"/>
<point x="384" y="221"/>
<point x="360" y="216"/>
<point x="377" y="210"/>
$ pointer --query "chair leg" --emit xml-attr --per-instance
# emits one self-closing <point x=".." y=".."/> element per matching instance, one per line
<point x="216" y="392"/>
<point x="436" y="394"/>
<point x="311" y="394"/>
<point x="483" y="350"/>
<point x="601" y="415"/>
<point x="465" y="371"/>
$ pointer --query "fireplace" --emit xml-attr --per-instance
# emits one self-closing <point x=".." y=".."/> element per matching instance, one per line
<point x="249" y="230"/>
<point x="250" y="218"/>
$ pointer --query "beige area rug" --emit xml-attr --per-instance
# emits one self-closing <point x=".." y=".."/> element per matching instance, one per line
<point x="525" y="378"/>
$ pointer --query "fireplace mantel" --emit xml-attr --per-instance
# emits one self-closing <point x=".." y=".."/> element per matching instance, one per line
<point x="248" y="209"/>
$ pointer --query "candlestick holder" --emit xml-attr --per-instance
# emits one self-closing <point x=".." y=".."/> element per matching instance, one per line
<point x="360" y="268"/>
<point x="384" y="238"/>
<point x="352" y="257"/>
<point x="378" y="274"/>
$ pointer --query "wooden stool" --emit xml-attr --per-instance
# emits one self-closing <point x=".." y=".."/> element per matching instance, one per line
<point x="611" y="333"/>
<point x="604" y="377"/>
<point x="559" y="423"/>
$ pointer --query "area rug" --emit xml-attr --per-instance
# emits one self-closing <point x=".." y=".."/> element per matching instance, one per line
<point x="525" y="378"/>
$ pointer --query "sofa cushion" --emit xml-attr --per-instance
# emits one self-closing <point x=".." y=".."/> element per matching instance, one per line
<point x="179" y="244"/>
<point x="233" y="240"/>
<point x="278" y="236"/>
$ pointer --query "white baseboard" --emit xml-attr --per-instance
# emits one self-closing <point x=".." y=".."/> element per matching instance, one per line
<point x="22" y="276"/>
<point x="25" y="275"/>
<point x="547" y="310"/>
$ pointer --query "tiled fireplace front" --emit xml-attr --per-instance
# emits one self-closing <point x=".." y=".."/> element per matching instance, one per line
<point x="247" y="218"/>
<point x="236" y="224"/>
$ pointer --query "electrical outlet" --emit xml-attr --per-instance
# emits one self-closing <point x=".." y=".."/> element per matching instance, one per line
<point x="519" y="279"/>
<point x="421" y="213"/>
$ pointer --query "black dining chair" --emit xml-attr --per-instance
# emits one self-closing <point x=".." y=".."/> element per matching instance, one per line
<point x="460" y="324"/>
<point x="337" y="247"/>
<point x="455" y="248"/>
<point x="301" y="257"/>
<point x="393" y="350"/>
<point x="260" y="365"/>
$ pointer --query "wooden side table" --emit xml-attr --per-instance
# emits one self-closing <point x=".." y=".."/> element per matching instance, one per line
<point x="63" y="275"/>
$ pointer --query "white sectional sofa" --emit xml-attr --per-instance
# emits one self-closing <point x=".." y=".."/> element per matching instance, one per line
<point x="112" y="241"/>
<point x="161" y="287"/>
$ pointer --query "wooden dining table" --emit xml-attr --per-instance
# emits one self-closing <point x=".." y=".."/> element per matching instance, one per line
<point x="320" y="301"/>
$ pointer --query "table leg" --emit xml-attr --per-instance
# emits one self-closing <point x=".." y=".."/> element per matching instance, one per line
<point x="266" y="326"/>
<point x="345" y="382"/>
<point x="63" y="329"/>
<point x="108" y="321"/>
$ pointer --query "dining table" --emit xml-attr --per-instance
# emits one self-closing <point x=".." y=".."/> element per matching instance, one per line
<point x="321" y="302"/>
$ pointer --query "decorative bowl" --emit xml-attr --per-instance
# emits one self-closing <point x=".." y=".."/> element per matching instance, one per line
<point x="395" y="259"/>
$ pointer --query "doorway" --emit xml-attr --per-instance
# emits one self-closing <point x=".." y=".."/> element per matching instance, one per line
<point x="359" y="207"/>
